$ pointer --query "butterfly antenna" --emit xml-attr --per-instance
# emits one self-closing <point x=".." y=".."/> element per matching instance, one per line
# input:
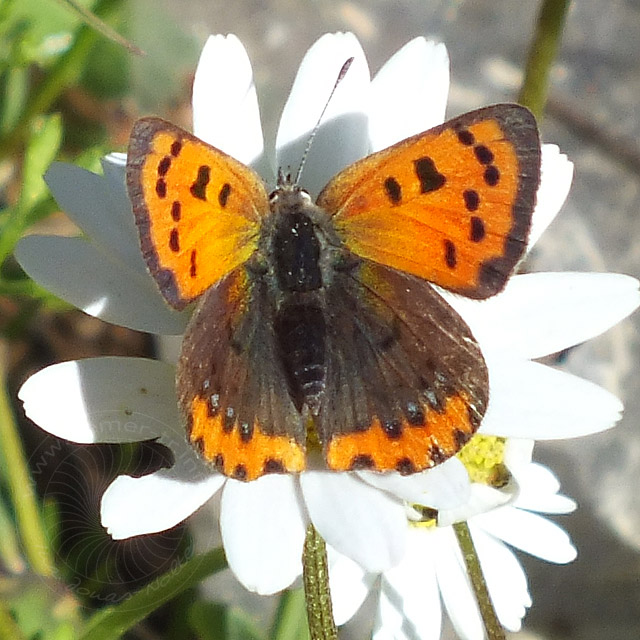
<point x="341" y="75"/>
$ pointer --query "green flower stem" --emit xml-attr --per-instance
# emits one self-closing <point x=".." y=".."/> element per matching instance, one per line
<point x="315" y="573"/>
<point x="63" y="74"/>
<point x="291" y="619"/>
<point x="23" y="498"/>
<point x="542" y="53"/>
<point x="492" y="626"/>
<point x="111" y="622"/>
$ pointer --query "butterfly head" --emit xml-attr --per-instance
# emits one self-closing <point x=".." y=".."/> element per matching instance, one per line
<point x="288" y="195"/>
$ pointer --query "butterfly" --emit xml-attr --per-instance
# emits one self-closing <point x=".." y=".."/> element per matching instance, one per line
<point x="317" y="327"/>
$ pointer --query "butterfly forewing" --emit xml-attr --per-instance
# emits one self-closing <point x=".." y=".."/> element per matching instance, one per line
<point x="407" y="385"/>
<point x="452" y="205"/>
<point x="197" y="209"/>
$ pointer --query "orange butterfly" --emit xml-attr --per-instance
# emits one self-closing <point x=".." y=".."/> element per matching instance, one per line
<point x="317" y="324"/>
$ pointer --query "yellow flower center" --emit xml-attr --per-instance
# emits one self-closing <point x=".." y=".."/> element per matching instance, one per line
<point x="483" y="457"/>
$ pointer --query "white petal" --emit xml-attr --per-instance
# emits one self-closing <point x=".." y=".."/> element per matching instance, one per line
<point x="444" y="486"/>
<point x="116" y="161"/>
<point x="542" y="313"/>
<point x="555" y="182"/>
<point x="349" y="585"/>
<point x="554" y="503"/>
<point x="359" y="521"/>
<point x="409" y="93"/>
<point x="343" y="136"/>
<point x="85" y="275"/>
<point x="537" y="486"/>
<point x="136" y="506"/>
<point x="389" y="618"/>
<point x="481" y="499"/>
<point x="104" y="400"/>
<point x="539" y="491"/>
<point x="529" y="532"/>
<point x="531" y="400"/>
<point x="263" y="529"/>
<point x="100" y="207"/>
<point x="225" y="103"/>
<point x="518" y="454"/>
<point x="410" y="594"/>
<point x="454" y="586"/>
<point x="505" y="578"/>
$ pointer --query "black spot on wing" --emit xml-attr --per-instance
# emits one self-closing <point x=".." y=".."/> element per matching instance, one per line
<point x="430" y="178"/>
<point x="271" y="465"/>
<point x="471" y="199"/>
<point x="483" y="154"/>
<point x="163" y="166"/>
<point x="199" y="187"/>
<point x="362" y="462"/>
<point x="492" y="175"/>
<point x="478" y="230"/>
<point x="465" y="137"/>
<point x="161" y="188"/>
<point x="174" y="241"/>
<point x="450" y="254"/>
<point x="393" y="190"/>
<point x="223" y="196"/>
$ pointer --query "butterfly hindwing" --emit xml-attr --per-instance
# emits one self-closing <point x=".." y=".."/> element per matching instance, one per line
<point x="451" y="205"/>
<point x="406" y="383"/>
<point x="231" y="385"/>
<point x="197" y="209"/>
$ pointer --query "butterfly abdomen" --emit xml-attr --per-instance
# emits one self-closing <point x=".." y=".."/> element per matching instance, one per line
<point x="301" y="335"/>
<point x="297" y="252"/>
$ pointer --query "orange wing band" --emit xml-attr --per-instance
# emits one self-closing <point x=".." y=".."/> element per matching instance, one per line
<point x="243" y="459"/>
<point x="415" y="449"/>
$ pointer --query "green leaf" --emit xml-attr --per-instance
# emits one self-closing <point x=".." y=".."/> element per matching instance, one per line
<point x="214" y="621"/>
<point x="15" y="84"/>
<point x="50" y="27"/>
<point x="42" y="148"/>
<point x="208" y="620"/>
<point x="111" y="622"/>
<point x="10" y="555"/>
<point x="107" y="70"/>
<point x="9" y="630"/>
<point x="291" y="617"/>
<point x="41" y="609"/>
<point x="43" y="145"/>
<point x="241" y="627"/>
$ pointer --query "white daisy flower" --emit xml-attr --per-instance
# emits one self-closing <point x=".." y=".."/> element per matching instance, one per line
<point x="125" y="400"/>
<point x="432" y="573"/>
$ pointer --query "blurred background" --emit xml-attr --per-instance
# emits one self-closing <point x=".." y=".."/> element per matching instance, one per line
<point x="68" y="93"/>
